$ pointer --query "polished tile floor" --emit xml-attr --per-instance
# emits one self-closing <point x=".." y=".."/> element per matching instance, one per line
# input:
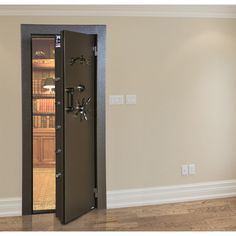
<point x="210" y="215"/>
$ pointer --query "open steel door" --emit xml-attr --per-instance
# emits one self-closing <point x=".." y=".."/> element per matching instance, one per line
<point x="75" y="124"/>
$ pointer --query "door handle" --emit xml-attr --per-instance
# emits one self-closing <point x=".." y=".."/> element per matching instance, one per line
<point x="69" y="99"/>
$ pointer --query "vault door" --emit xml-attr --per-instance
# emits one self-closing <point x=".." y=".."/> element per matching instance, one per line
<point x="75" y="124"/>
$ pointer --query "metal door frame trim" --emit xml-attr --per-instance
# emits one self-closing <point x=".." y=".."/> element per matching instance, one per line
<point x="27" y="30"/>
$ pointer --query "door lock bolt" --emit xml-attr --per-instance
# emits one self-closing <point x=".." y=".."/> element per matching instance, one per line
<point x="58" y="175"/>
<point x="58" y="127"/>
<point x="58" y="151"/>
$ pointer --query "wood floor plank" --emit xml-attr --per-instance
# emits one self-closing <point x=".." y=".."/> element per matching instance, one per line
<point x="210" y="215"/>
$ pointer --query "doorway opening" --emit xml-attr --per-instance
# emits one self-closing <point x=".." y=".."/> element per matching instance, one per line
<point x="57" y="74"/>
<point x="43" y="115"/>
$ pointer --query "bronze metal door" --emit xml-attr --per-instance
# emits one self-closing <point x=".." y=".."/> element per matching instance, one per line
<point x="75" y="124"/>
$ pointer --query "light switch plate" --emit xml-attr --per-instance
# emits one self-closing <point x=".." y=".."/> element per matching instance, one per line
<point x="116" y="99"/>
<point x="130" y="99"/>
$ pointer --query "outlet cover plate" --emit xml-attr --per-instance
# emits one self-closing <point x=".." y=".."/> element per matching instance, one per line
<point x="192" y="169"/>
<point x="130" y="99"/>
<point x="184" y="170"/>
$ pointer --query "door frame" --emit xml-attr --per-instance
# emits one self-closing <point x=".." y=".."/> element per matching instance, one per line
<point x="27" y="30"/>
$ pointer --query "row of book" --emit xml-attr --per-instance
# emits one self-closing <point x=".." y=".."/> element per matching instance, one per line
<point x="39" y="90"/>
<point x="44" y="105"/>
<point x="38" y="87"/>
<point x="43" y="121"/>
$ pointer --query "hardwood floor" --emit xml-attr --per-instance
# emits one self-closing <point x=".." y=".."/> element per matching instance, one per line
<point x="210" y="215"/>
<point x="44" y="188"/>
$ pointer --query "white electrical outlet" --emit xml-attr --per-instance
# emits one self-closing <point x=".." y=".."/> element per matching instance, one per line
<point x="130" y="99"/>
<point x="192" y="169"/>
<point x="116" y="99"/>
<point x="184" y="170"/>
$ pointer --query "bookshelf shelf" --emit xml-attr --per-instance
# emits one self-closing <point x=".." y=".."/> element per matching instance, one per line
<point x="43" y="64"/>
<point x="44" y="120"/>
<point x="42" y="96"/>
<point x="43" y="101"/>
<point x="43" y="114"/>
<point x="52" y="130"/>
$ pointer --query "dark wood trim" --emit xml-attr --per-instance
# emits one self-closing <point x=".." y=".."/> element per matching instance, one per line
<point x="26" y="32"/>
<point x="26" y="124"/>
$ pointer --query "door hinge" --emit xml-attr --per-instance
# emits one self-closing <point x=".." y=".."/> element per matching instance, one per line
<point x="95" y="190"/>
<point x="58" y="41"/>
<point x="95" y="51"/>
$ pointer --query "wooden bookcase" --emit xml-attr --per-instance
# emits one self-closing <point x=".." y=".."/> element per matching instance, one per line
<point x="44" y="147"/>
<point x="43" y="108"/>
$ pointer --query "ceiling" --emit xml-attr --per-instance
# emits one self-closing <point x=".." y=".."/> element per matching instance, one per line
<point x="216" y="11"/>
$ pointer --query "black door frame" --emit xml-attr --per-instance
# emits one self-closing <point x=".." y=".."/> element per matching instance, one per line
<point x="27" y="30"/>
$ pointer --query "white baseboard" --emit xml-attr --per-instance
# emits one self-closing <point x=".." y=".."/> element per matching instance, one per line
<point x="147" y="196"/>
<point x="171" y="194"/>
<point x="10" y="207"/>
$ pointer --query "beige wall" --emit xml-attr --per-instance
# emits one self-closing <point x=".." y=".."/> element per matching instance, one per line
<point x="184" y="74"/>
